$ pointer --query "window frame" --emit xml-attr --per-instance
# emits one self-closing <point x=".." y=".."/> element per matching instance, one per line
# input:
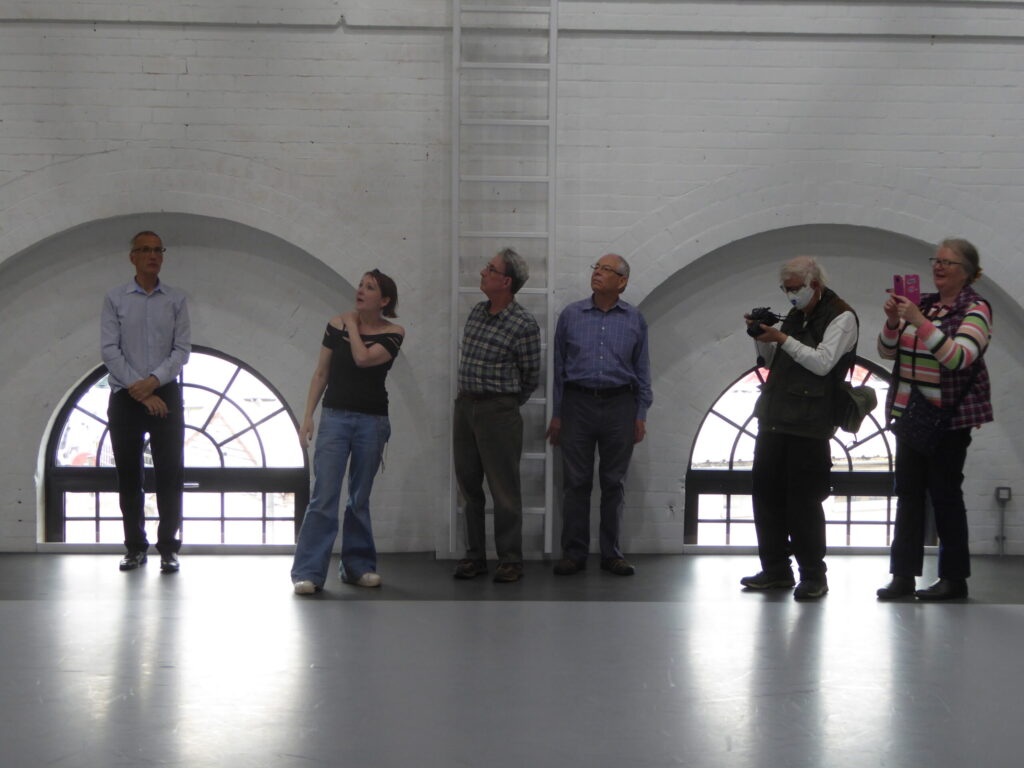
<point x="60" y="480"/>
<point x="739" y="482"/>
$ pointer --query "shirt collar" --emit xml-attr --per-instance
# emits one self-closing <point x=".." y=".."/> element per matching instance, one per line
<point x="134" y="287"/>
<point x="619" y="304"/>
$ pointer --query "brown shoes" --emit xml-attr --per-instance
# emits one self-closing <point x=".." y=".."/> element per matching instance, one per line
<point x="506" y="573"/>
<point x="618" y="566"/>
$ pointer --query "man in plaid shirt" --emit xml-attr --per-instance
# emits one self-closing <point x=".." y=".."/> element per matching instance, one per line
<point x="498" y="371"/>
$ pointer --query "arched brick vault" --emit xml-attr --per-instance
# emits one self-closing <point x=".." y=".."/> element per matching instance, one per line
<point x="748" y="202"/>
<point x="201" y="182"/>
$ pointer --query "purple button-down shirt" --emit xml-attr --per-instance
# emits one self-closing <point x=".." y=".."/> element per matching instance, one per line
<point x="602" y="350"/>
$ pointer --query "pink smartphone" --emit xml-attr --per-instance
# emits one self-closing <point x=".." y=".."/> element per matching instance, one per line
<point x="912" y="288"/>
<point x="897" y="285"/>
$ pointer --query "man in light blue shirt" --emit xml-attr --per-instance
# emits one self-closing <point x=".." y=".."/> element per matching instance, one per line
<point x="602" y="390"/>
<point x="145" y="342"/>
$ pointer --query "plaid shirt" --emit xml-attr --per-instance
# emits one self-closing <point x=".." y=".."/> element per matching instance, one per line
<point x="939" y="357"/>
<point x="500" y="353"/>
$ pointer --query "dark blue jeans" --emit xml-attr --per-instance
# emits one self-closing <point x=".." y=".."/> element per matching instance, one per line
<point x="791" y="479"/>
<point x="940" y="476"/>
<point x="129" y="423"/>
<point x="606" y="425"/>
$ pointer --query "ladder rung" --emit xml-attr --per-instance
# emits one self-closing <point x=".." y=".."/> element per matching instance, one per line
<point x="542" y="122"/>
<point x="510" y="179"/>
<point x="505" y="235"/>
<point x="509" y="9"/>
<point x="501" y="65"/>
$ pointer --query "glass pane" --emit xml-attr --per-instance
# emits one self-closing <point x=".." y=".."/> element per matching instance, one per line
<point x="738" y="402"/>
<point x="712" y="533"/>
<point x="281" y="442"/>
<point x="280" y="532"/>
<point x="201" y="532"/>
<point x="200" y="450"/>
<point x="835" y="535"/>
<point x="243" y="505"/>
<point x="201" y="505"/>
<point x="207" y="370"/>
<point x="80" y="505"/>
<point x="243" y="532"/>
<point x="742" y="508"/>
<point x="106" y="452"/>
<point x="742" y="534"/>
<point x="244" y="451"/>
<point x="253" y="396"/>
<point x="714" y="444"/>
<point x="80" y="532"/>
<point x="95" y="399"/>
<point x="79" y="440"/>
<point x="281" y="505"/>
<point x="227" y="422"/>
<point x="199" y="404"/>
<point x="868" y="536"/>
<point x="711" y="507"/>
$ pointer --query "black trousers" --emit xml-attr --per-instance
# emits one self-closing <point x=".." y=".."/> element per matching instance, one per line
<point x="791" y="479"/>
<point x="129" y="423"/>
<point x="940" y="476"/>
<point x="607" y="425"/>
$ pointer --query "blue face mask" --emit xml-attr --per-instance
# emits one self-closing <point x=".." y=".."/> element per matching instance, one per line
<point x="801" y="297"/>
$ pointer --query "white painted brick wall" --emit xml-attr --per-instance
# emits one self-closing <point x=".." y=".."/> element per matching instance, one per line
<point x="683" y="127"/>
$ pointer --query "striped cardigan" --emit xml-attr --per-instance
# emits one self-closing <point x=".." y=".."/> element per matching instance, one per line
<point x="939" y="355"/>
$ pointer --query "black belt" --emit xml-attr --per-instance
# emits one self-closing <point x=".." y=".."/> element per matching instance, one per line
<point x="599" y="393"/>
<point x="476" y="396"/>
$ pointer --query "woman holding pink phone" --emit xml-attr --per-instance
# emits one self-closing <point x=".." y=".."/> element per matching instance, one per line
<point x="939" y="343"/>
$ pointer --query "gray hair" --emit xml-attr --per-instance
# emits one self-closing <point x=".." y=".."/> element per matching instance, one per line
<point x="806" y="268"/>
<point x="623" y="265"/>
<point x="515" y="268"/>
<point x="966" y="251"/>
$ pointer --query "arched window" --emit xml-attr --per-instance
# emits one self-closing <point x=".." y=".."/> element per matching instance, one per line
<point x="246" y="475"/>
<point x="860" y="510"/>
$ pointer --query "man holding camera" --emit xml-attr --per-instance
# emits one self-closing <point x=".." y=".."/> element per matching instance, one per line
<point x="807" y="357"/>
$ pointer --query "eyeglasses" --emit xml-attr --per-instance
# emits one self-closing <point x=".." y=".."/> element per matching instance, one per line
<point x="944" y="263"/>
<point x="606" y="268"/>
<point x="146" y="250"/>
<point x="492" y="269"/>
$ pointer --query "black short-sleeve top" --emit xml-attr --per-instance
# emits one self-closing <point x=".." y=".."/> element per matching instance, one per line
<point x="351" y="388"/>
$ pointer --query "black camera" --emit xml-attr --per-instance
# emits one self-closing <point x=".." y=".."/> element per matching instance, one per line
<point x="761" y="316"/>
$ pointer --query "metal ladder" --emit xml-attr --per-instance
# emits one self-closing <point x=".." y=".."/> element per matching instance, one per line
<point x="503" y="194"/>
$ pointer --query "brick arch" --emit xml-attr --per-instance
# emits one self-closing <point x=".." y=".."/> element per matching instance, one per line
<point x="749" y="202"/>
<point x="200" y="182"/>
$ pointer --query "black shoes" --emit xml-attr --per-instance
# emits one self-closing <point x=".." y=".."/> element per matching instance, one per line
<point x="470" y="569"/>
<point x="618" y="566"/>
<point x="132" y="560"/>
<point x="810" y="589"/>
<point x="900" y="586"/>
<point x="944" y="589"/>
<point x="169" y="563"/>
<point x="763" y="580"/>
<point x="506" y="573"/>
<point x="567" y="566"/>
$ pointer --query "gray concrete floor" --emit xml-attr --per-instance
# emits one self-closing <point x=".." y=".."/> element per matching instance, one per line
<point x="220" y="665"/>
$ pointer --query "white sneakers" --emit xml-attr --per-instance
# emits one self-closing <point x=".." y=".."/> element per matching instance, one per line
<point x="309" y="588"/>
<point x="368" y="580"/>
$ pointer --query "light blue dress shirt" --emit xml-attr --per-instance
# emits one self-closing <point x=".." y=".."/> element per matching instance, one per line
<point x="144" y="334"/>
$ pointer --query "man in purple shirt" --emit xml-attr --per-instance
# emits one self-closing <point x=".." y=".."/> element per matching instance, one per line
<point x="145" y="342"/>
<point x="602" y="390"/>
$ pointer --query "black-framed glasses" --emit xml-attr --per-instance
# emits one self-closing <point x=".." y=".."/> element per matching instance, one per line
<point x="148" y="249"/>
<point x="944" y="263"/>
<point x="606" y="268"/>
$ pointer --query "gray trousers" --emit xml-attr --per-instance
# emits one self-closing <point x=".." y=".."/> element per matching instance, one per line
<point x="487" y="439"/>
<point x="606" y="424"/>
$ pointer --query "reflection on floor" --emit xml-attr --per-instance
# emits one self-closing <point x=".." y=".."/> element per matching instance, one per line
<point x="221" y="665"/>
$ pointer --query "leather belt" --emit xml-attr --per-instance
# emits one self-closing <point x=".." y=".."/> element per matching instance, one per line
<point x="599" y="393"/>
<point x="477" y="396"/>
